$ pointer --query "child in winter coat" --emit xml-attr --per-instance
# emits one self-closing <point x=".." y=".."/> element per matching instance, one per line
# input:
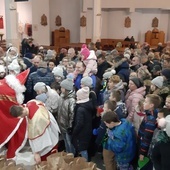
<point x="108" y="156"/>
<point x="65" y="113"/>
<point x="90" y="60"/>
<point x="148" y="125"/>
<point x="138" y="115"/>
<point x="121" y="109"/>
<point x="121" y="139"/>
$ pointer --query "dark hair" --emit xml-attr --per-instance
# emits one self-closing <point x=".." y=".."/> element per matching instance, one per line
<point x="102" y="56"/>
<point x="56" y="86"/>
<point x="155" y="100"/>
<point x="165" y="111"/>
<point x="110" y="116"/>
<point x="16" y="110"/>
<point x="116" y="94"/>
<point x="110" y="104"/>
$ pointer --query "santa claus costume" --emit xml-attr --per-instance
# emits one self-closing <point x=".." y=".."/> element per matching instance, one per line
<point x="13" y="131"/>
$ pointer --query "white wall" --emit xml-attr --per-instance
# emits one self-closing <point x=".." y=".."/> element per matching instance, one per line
<point x="69" y="11"/>
<point x="141" y="22"/>
<point x="112" y="18"/>
<point x="24" y="10"/>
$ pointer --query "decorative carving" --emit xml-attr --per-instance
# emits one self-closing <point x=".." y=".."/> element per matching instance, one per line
<point x="155" y="22"/>
<point x="83" y="21"/>
<point x="58" y="21"/>
<point x="43" y="20"/>
<point x="127" y="22"/>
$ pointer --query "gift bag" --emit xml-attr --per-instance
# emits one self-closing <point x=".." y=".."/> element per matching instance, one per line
<point x="56" y="161"/>
<point x="80" y="163"/>
<point x="142" y="165"/>
<point x="42" y="166"/>
<point x="2" y="161"/>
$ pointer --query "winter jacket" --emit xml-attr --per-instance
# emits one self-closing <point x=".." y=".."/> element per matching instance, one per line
<point x="101" y="69"/>
<point x="65" y="113"/>
<point x="77" y="82"/>
<point x="146" y="131"/>
<point x="161" y="152"/>
<point x="122" y="69"/>
<point x="91" y="64"/>
<point x="82" y="126"/>
<point x="131" y="99"/>
<point x="52" y="101"/>
<point x="41" y="75"/>
<point x="122" y="142"/>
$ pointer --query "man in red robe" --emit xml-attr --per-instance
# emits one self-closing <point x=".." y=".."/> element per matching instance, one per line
<point x="13" y="134"/>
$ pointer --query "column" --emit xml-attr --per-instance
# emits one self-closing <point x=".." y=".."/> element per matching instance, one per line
<point x="11" y="23"/>
<point x="97" y="25"/>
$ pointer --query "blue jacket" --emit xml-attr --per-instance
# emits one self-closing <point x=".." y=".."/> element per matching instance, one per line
<point x="122" y="142"/>
<point x="77" y="82"/>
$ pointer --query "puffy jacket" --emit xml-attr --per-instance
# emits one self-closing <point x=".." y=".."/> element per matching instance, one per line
<point x="131" y="99"/>
<point x="122" y="142"/>
<point x="65" y="113"/>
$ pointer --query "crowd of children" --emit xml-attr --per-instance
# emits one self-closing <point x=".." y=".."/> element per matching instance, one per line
<point x="119" y="102"/>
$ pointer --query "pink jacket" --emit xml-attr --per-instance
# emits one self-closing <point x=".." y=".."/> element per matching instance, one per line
<point x="91" y="64"/>
<point x="131" y="100"/>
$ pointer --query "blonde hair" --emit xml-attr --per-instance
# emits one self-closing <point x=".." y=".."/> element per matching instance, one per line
<point x="115" y="79"/>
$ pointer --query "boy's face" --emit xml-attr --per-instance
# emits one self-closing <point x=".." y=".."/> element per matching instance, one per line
<point x="24" y="112"/>
<point x="105" y="108"/>
<point x="167" y="102"/>
<point x="147" y="105"/>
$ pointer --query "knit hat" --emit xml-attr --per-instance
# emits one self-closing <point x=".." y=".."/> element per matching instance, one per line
<point x="67" y="84"/>
<point x="137" y="82"/>
<point x="58" y="71"/>
<point x="83" y="95"/>
<point x="126" y="55"/>
<point x="166" y="73"/>
<point x="14" y="66"/>
<point x="2" y="69"/>
<point x="42" y="97"/>
<point x="108" y="74"/>
<point x="156" y="68"/>
<point x="158" y="81"/>
<point x="40" y="86"/>
<point x="87" y="81"/>
<point x="85" y="51"/>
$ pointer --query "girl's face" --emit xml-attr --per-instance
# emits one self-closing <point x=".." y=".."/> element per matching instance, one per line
<point x="167" y="103"/>
<point x="132" y="85"/>
<point x="58" y="79"/>
<point x="63" y="90"/>
<point x="153" y="87"/>
<point x="110" y="84"/>
<point x="51" y="65"/>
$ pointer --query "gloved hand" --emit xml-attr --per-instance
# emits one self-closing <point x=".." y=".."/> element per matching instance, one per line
<point x="95" y="132"/>
<point x="110" y="134"/>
